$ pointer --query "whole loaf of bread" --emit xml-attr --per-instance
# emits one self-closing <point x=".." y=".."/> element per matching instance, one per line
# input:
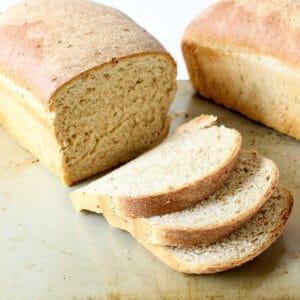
<point x="82" y="86"/>
<point x="245" y="55"/>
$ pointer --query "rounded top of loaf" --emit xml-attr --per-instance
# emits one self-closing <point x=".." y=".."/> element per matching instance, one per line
<point x="46" y="43"/>
<point x="264" y="27"/>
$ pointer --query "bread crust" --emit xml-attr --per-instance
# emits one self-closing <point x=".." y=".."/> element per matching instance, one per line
<point x="28" y="121"/>
<point x="244" y="55"/>
<point x="200" y="122"/>
<point x="264" y="27"/>
<point x="46" y="44"/>
<point x="194" y="268"/>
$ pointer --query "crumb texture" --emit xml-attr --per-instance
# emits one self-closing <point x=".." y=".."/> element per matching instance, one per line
<point x="110" y="115"/>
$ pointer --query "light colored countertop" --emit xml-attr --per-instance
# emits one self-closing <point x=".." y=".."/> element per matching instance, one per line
<point x="48" y="251"/>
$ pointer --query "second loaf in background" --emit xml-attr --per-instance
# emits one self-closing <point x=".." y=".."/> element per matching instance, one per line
<point x="245" y="55"/>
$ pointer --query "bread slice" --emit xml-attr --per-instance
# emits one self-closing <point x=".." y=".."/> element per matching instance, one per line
<point x="252" y="182"/>
<point x="234" y="250"/>
<point x="177" y="174"/>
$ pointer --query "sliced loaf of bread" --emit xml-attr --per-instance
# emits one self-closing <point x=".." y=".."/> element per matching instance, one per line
<point x="234" y="250"/>
<point x="252" y="182"/>
<point x="177" y="174"/>
<point x="82" y="86"/>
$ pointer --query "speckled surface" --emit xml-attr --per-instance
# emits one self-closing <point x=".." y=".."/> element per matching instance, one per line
<point x="48" y="251"/>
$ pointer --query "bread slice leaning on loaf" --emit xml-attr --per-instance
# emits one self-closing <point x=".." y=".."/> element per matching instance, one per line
<point x="245" y="55"/>
<point x="82" y="86"/>
<point x="234" y="250"/>
<point x="250" y="185"/>
<point x="180" y="172"/>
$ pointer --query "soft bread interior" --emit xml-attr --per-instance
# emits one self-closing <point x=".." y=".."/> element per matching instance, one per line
<point x="109" y="115"/>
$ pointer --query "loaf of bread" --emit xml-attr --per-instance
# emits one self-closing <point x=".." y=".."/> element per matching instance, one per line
<point x="82" y="86"/>
<point x="245" y="55"/>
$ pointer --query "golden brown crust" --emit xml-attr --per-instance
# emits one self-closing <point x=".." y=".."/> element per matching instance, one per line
<point x="29" y="123"/>
<point x="194" y="268"/>
<point x="263" y="26"/>
<point x="48" y="43"/>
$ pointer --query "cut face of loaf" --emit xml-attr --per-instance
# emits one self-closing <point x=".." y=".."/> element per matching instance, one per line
<point x="250" y="185"/>
<point x="238" y="248"/>
<point x="245" y="55"/>
<point x="89" y="94"/>
<point x="177" y="174"/>
<point x="108" y="116"/>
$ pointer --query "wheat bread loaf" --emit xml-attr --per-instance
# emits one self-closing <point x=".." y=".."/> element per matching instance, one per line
<point x="82" y="86"/>
<point x="250" y="185"/>
<point x="245" y="55"/>
<point x="180" y="172"/>
<point x="233" y="250"/>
